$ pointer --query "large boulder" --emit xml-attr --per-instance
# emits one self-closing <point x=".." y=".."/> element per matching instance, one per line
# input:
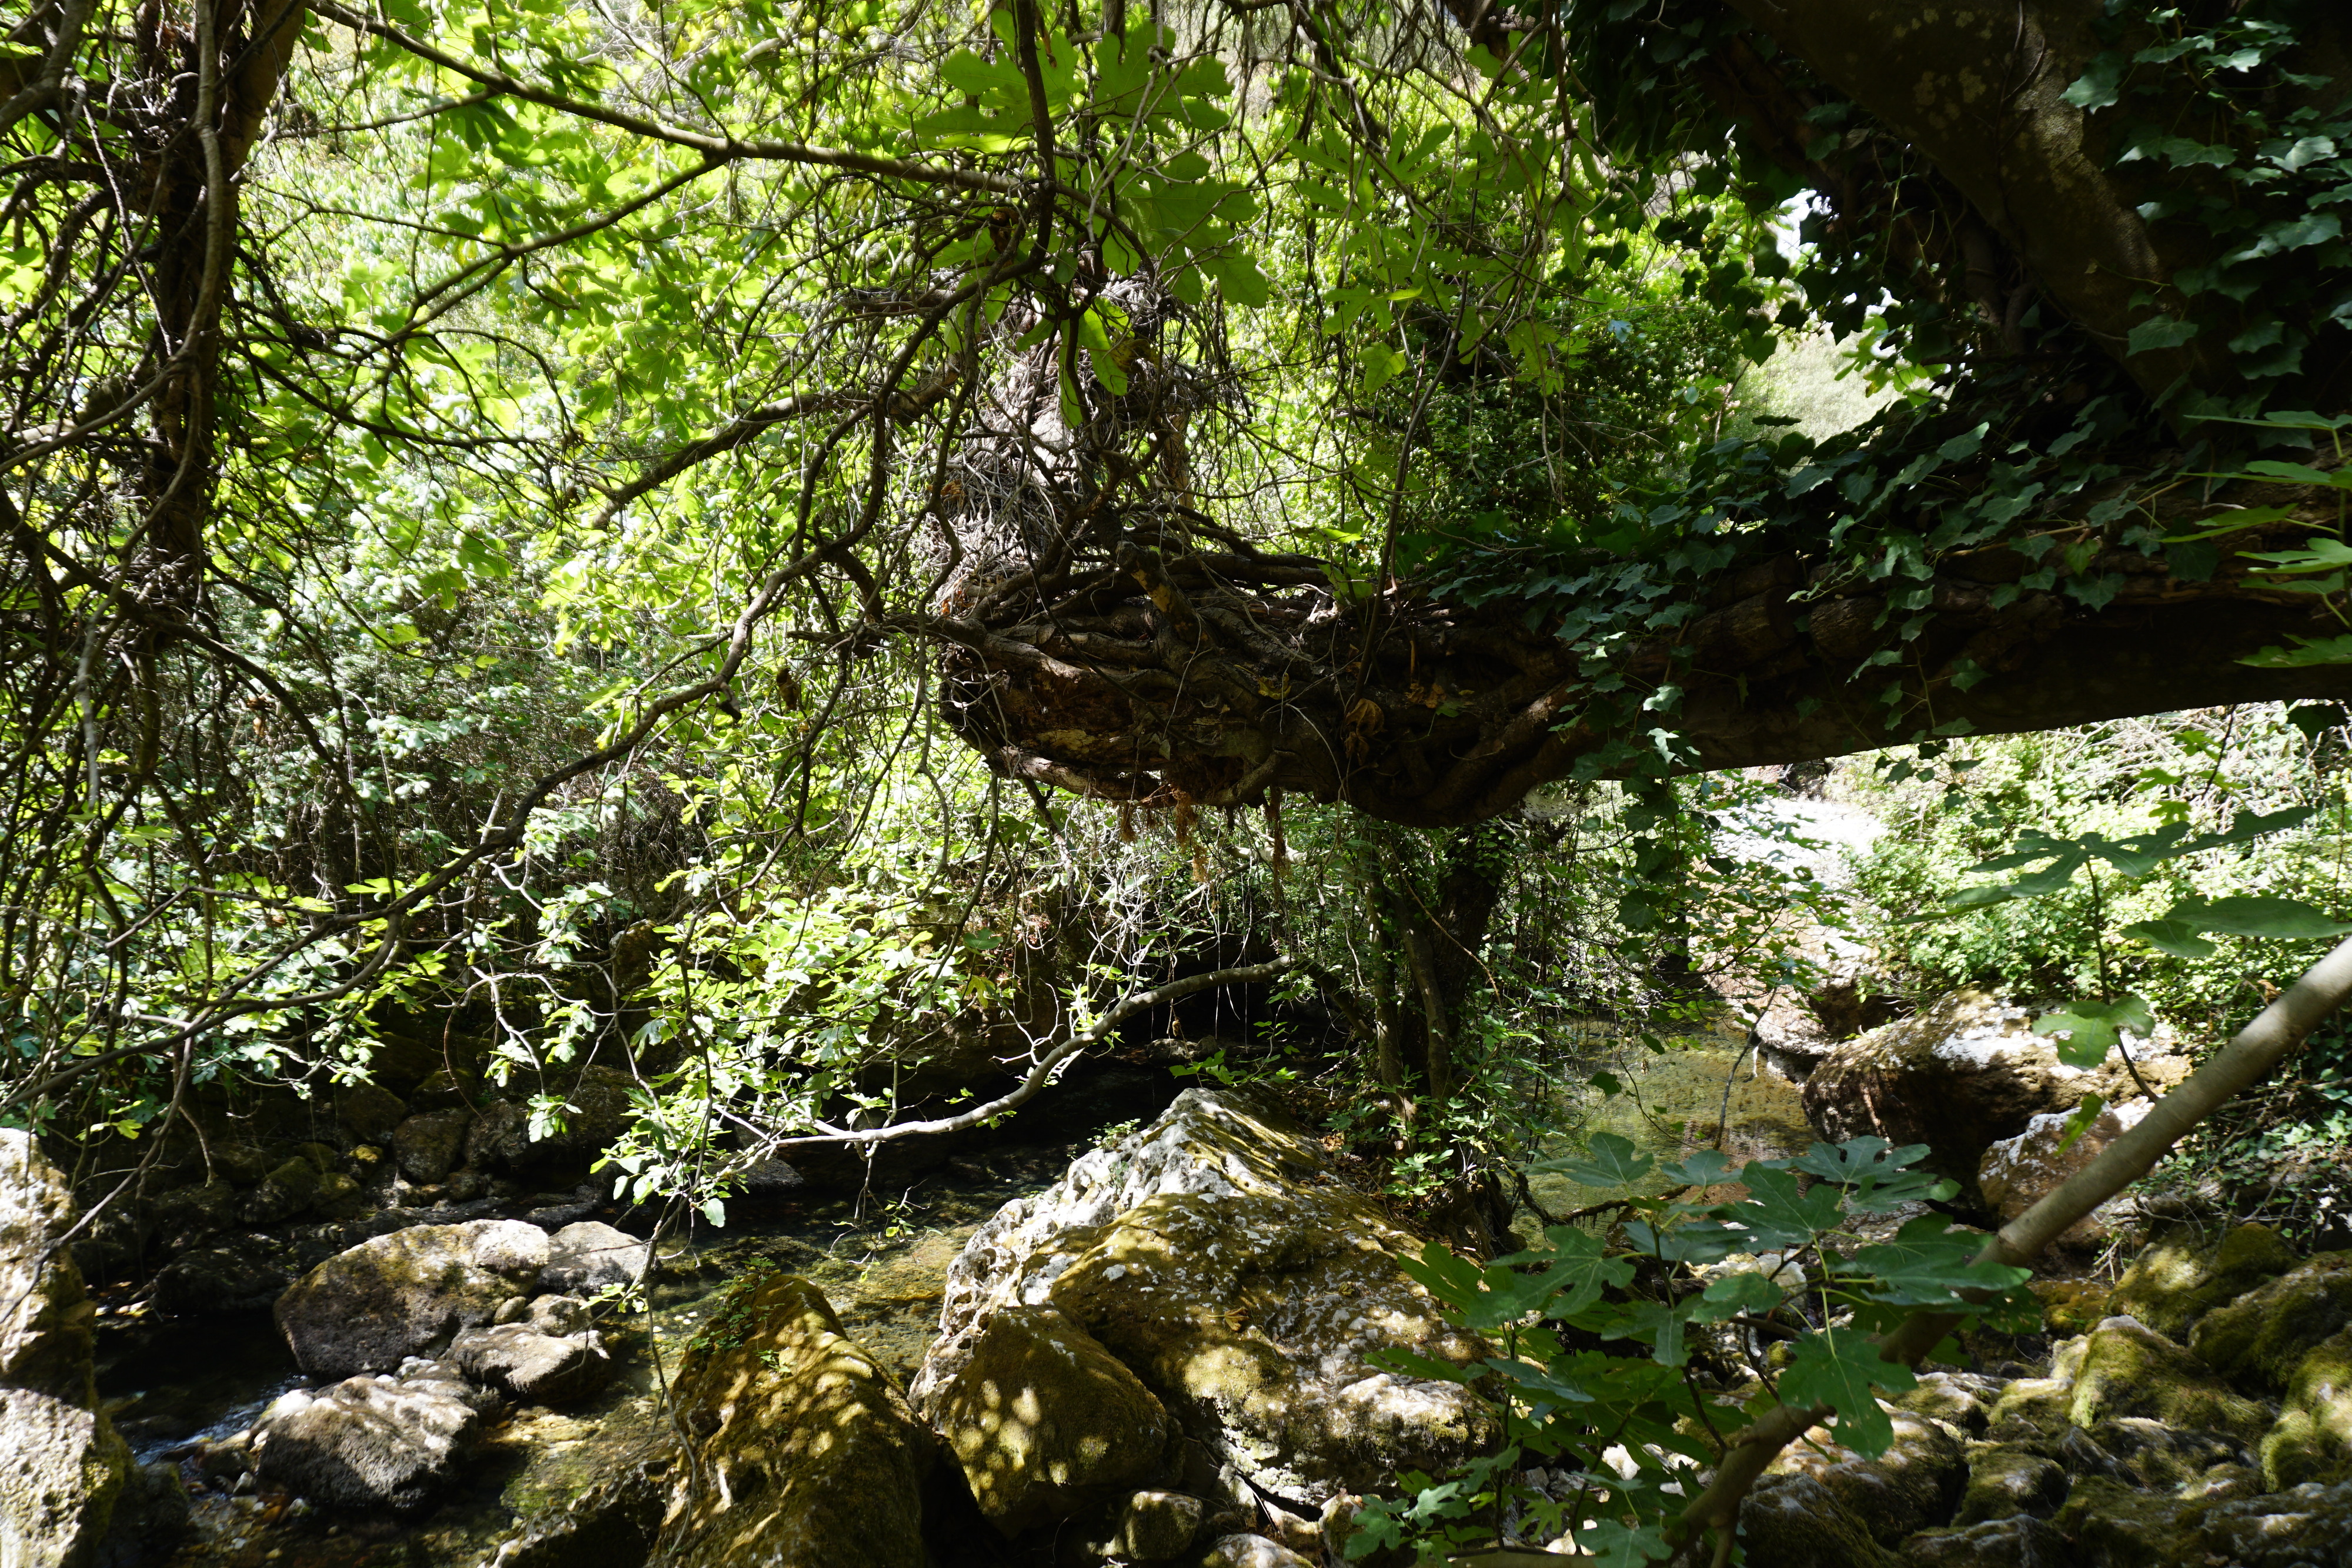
<point x="380" y="1442"/>
<point x="62" y="1464"/>
<point x="804" y="1453"/>
<point x="427" y="1148"/>
<point x="1045" y="1422"/>
<point x="404" y="1294"/>
<point x="2313" y="1437"/>
<point x="2185" y="1273"/>
<point x="1965" y="1072"/>
<point x="1217" y="1257"/>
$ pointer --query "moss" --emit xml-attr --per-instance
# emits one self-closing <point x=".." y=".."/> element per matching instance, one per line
<point x="2261" y="1337"/>
<point x="2075" y="1306"/>
<point x="2311" y="1441"/>
<point x="1794" y="1520"/>
<point x="2039" y="1406"/>
<point x="2129" y="1370"/>
<point x="2186" y="1274"/>
<point x="2115" y="1526"/>
<point x="1045" y="1422"/>
<point x="2005" y="1480"/>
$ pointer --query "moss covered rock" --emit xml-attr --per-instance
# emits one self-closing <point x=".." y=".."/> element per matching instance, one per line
<point x="1913" y="1486"/>
<point x="2305" y="1525"/>
<point x="2005" y="1479"/>
<point x="1792" y="1521"/>
<point x="370" y="1308"/>
<point x="2021" y="1540"/>
<point x="2311" y="1441"/>
<point x="1957" y="1398"/>
<point x="1216" y="1256"/>
<point x="2032" y="1408"/>
<point x="62" y="1464"/>
<point x="2108" y="1524"/>
<point x="1045" y="1422"/>
<point x="804" y="1454"/>
<point x="2186" y="1272"/>
<point x="2261" y="1338"/>
<point x="2128" y="1369"/>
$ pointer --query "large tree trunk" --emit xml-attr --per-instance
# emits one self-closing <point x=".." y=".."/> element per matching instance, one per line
<point x="1211" y="678"/>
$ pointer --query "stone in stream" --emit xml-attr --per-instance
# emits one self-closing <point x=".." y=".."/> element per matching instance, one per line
<point x="240" y="1275"/>
<point x="62" y="1464"/>
<point x="371" y="1442"/>
<point x="590" y="1256"/>
<point x="1963" y="1074"/>
<point x="404" y="1294"/>
<point x="1217" y="1258"/>
<point x="804" y="1454"/>
<point x="536" y="1368"/>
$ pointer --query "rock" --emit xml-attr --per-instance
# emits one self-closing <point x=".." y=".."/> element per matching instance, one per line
<point x="2130" y="1370"/>
<point x="2114" y="1526"/>
<point x="2313" y="1437"/>
<point x="770" y="1179"/>
<point x="2310" y="1524"/>
<point x="1851" y="999"/>
<point x="804" y="1451"/>
<point x="241" y="1276"/>
<point x="242" y="1163"/>
<point x="65" y="1464"/>
<point x="612" y="1525"/>
<point x="370" y="1442"/>
<point x="2021" y="1540"/>
<point x="1215" y="1256"/>
<point x="152" y="1517"/>
<point x="284" y="1192"/>
<point x="2261" y="1337"/>
<point x="598" y="1109"/>
<point x="1147" y="1527"/>
<point x="557" y="1315"/>
<point x="2072" y="1307"/>
<point x="340" y="1197"/>
<point x="2185" y="1273"/>
<point x="589" y="1256"/>
<point x="498" y="1137"/>
<point x="1791" y="1519"/>
<point x="2017" y="1172"/>
<point x="536" y="1368"/>
<point x="427" y="1147"/>
<point x="191" y="1213"/>
<point x="1963" y="1074"/>
<point x="1045" y="1421"/>
<point x="1249" y="1552"/>
<point x="2004" y="1481"/>
<point x="1914" y="1485"/>
<point x="1959" y="1400"/>
<point x="2032" y="1408"/>
<point x="2159" y="1457"/>
<point x="406" y="1293"/>
<point x="115" y="1226"/>
<point x="371" y="1112"/>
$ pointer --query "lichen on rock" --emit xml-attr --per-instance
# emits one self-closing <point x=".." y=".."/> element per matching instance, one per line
<point x="370" y="1308"/>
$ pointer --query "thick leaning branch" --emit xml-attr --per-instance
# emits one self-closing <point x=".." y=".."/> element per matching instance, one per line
<point x="1211" y="678"/>
<point x="1046" y="1066"/>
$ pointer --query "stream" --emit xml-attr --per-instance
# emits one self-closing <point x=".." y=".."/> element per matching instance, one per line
<point x="173" y="1385"/>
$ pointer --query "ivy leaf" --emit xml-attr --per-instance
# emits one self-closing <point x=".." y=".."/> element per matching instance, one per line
<point x="1608" y="1161"/>
<point x="2158" y="332"/>
<point x="2091" y="1028"/>
<point x="1840" y="1368"/>
<point x="2098" y="86"/>
<point x="2307" y="651"/>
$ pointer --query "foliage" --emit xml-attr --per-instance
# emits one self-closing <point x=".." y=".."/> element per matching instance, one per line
<point x="1627" y="1362"/>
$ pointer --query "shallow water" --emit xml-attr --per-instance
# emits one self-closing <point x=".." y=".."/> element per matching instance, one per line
<point x="174" y="1384"/>
<point x="1701" y="1092"/>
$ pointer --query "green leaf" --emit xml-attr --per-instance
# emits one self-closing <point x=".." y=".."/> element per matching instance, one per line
<point x="2099" y="85"/>
<point x="2178" y="937"/>
<point x="1608" y="1161"/>
<point x="2080" y="1121"/>
<point x="2306" y="653"/>
<point x="1382" y="366"/>
<point x="716" y="1212"/>
<point x="1745" y="1291"/>
<point x="2251" y="914"/>
<point x="2091" y="1028"/>
<point x="1610" y="1544"/>
<point x="1842" y="1368"/>
<point x="2158" y="332"/>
